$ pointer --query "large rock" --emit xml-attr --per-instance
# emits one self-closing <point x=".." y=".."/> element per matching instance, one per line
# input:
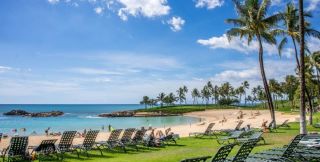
<point x="39" y="114"/>
<point x="118" y="114"/>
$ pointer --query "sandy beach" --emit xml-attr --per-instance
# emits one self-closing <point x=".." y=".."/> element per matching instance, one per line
<point x="254" y="118"/>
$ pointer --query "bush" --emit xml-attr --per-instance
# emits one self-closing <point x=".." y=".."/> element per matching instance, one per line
<point x="227" y="101"/>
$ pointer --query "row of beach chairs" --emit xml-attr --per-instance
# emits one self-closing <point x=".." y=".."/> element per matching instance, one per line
<point x="289" y="153"/>
<point x="19" y="150"/>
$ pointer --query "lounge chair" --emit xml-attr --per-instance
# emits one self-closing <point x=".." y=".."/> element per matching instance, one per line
<point x="88" y="142"/>
<point x="220" y="156"/>
<point x="112" y="141"/>
<point x="126" y="139"/>
<point x="45" y="150"/>
<point x="65" y="144"/>
<point x="241" y="156"/>
<point x="253" y="136"/>
<point x="284" y="124"/>
<point x="138" y="138"/>
<point x="244" y="151"/>
<point x="17" y="150"/>
<point x="285" y="153"/>
<point x="207" y="132"/>
<point x="228" y="131"/>
<point x="233" y="136"/>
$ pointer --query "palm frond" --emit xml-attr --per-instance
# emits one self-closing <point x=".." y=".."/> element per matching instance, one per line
<point x="263" y="9"/>
<point x="237" y="22"/>
<point x="282" y="43"/>
<point x="268" y="38"/>
<point x="312" y="32"/>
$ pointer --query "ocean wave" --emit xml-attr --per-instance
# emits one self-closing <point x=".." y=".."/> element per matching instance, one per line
<point x="92" y="117"/>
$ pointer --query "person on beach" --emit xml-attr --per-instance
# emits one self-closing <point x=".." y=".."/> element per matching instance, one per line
<point x="110" y="128"/>
<point x="46" y="131"/>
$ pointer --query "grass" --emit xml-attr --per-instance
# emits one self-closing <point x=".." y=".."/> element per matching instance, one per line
<point x="188" y="147"/>
<point x="284" y="106"/>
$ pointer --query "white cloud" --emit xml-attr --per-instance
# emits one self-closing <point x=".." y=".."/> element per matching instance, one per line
<point x="313" y="4"/>
<point x="240" y="45"/>
<point x="53" y="1"/>
<point x="313" y="44"/>
<point x="276" y="2"/>
<point x="4" y="69"/>
<point x="98" y="10"/>
<point x="92" y="71"/>
<point x="146" y="8"/>
<point x="209" y="4"/>
<point x="176" y="23"/>
<point x="239" y="71"/>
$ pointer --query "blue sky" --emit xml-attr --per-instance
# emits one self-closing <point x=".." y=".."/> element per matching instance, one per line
<point x="116" y="51"/>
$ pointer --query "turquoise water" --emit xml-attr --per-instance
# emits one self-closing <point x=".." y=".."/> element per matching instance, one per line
<point x="80" y="117"/>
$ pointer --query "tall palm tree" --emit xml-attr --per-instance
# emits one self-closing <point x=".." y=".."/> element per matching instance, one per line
<point x="181" y="95"/>
<point x="253" y="22"/>
<point x="303" y="125"/>
<point x="195" y="95"/>
<point x="205" y="93"/>
<point x="185" y="89"/>
<point x="240" y="91"/>
<point x="215" y="94"/>
<point x="211" y="90"/>
<point x="161" y="97"/>
<point x="145" y="101"/>
<point x="245" y="86"/>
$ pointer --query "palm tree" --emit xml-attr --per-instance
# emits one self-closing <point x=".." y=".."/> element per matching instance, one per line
<point x="161" y="98"/>
<point x="185" y="89"/>
<point x="240" y="91"/>
<point x="253" y="22"/>
<point x="315" y="61"/>
<point x="145" y="101"/>
<point x="274" y="89"/>
<point x="181" y="95"/>
<point x="205" y="93"/>
<point x="210" y="88"/>
<point x="303" y="125"/>
<point x="245" y="86"/>
<point x="172" y="98"/>
<point x="195" y="95"/>
<point x="215" y="94"/>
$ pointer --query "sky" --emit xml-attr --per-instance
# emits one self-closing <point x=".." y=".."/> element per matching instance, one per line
<point x="116" y="51"/>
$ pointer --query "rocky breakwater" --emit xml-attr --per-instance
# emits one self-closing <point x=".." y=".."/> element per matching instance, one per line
<point x="118" y="114"/>
<point x="38" y="114"/>
<point x="135" y="114"/>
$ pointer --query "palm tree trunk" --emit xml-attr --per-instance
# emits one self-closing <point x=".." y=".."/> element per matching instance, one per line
<point x="296" y="53"/>
<point x="303" y="125"/>
<point x="318" y="80"/>
<point x="265" y="83"/>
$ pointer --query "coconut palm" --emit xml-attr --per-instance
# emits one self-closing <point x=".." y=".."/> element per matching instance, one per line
<point x="303" y="125"/>
<point x="185" y="89"/>
<point x="195" y="95"/>
<point x="315" y="61"/>
<point x="211" y="90"/>
<point x="145" y="101"/>
<point x="240" y="91"/>
<point x="161" y="98"/>
<point x="205" y="93"/>
<point x="215" y="93"/>
<point x="274" y="90"/>
<point x="181" y="95"/>
<point x="290" y="86"/>
<point x="245" y="86"/>
<point x="253" y="23"/>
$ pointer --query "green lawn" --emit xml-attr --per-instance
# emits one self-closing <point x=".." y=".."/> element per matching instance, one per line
<point x="188" y="147"/>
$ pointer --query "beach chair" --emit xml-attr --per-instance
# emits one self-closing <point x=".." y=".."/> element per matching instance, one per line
<point x="65" y="144"/>
<point x="45" y="150"/>
<point x="233" y="137"/>
<point x="285" y="153"/>
<point x="126" y="139"/>
<point x="17" y="150"/>
<point x="138" y="138"/>
<point x="253" y="136"/>
<point x="244" y="151"/>
<point x="112" y="141"/>
<point x="228" y="131"/>
<point x="88" y="143"/>
<point x="284" y="124"/>
<point x="207" y="132"/>
<point x="220" y="156"/>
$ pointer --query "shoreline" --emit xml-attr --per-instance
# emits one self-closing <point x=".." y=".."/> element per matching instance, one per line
<point x="208" y="116"/>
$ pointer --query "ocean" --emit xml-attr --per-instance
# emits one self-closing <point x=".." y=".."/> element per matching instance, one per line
<point x="79" y="117"/>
